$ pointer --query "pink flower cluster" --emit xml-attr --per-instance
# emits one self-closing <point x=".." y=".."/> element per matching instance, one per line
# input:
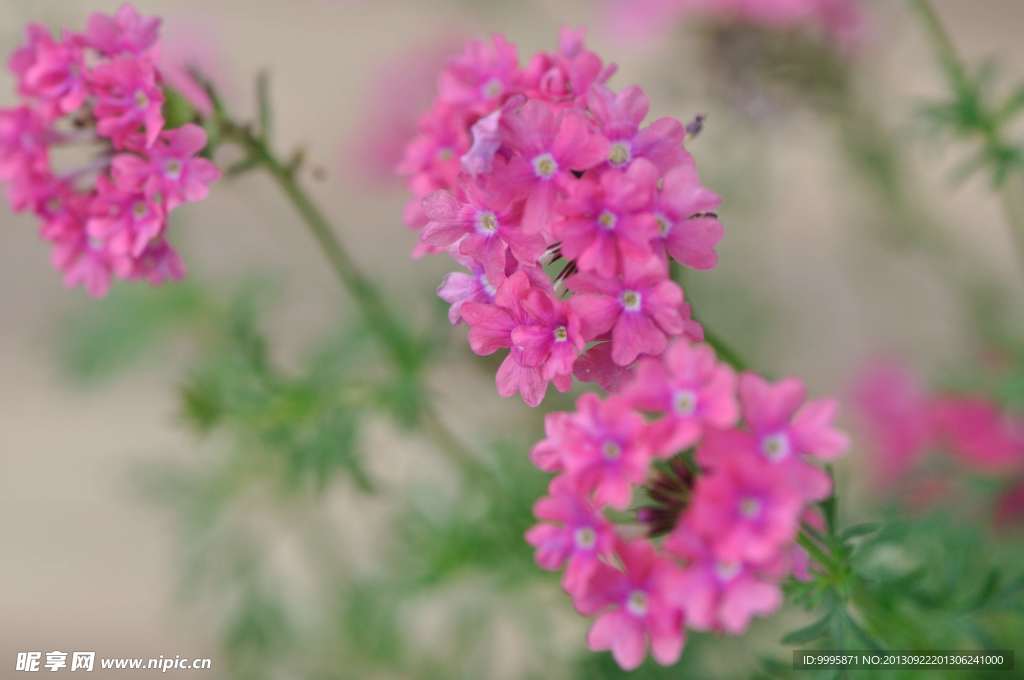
<point x="96" y="98"/>
<point x="905" y="422"/>
<point x="716" y="534"/>
<point x="838" y="20"/>
<point x="540" y="180"/>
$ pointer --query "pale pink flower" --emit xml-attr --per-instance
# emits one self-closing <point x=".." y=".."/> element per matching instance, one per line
<point x="635" y="606"/>
<point x="126" y="221"/>
<point x="480" y="284"/>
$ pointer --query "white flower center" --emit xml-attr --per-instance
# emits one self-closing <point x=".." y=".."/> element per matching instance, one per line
<point x="636" y="603"/>
<point x="750" y="508"/>
<point x="775" y="447"/>
<point x="445" y="154"/>
<point x="141" y="99"/>
<point x="585" y="538"/>
<point x="173" y="168"/>
<point x="486" y="222"/>
<point x="561" y="334"/>
<point x="664" y="224"/>
<point x="545" y="166"/>
<point x="607" y="220"/>
<point x="486" y="284"/>
<point x="620" y="153"/>
<point x="492" y="89"/>
<point x="139" y="209"/>
<point x="727" y="571"/>
<point x="611" y="450"/>
<point x="631" y="300"/>
<point x="684" y="402"/>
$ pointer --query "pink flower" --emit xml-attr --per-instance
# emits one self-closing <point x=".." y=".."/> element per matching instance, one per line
<point x="720" y="595"/>
<point x="635" y="606"/>
<point x="606" y="221"/>
<point x="491" y="327"/>
<point x="979" y="433"/>
<point x="550" y="144"/>
<point x="25" y="136"/>
<point x="688" y="228"/>
<point x="481" y="76"/>
<point x="596" y="366"/>
<point x="896" y="413"/>
<point x="642" y="309"/>
<point x="479" y="285"/>
<point x="483" y="225"/>
<point x="784" y="425"/>
<point x="51" y="71"/>
<point x="172" y="168"/>
<point x="749" y="508"/>
<point x="126" y="221"/>
<point x="100" y="91"/>
<point x="690" y="388"/>
<point x="572" y="533"/>
<point x="550" y="338"/>
<point x="566" y="75"/>
<point x="620" y="116"/>
<point x="127" y="99"/>
<point x="125" y="32"/>
<point x="606" y="449"/>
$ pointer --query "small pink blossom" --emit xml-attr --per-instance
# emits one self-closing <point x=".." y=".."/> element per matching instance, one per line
<point x="606" y="449"/>
<point x="604" y="222"/>
<point x="642" y="309"/>
<point x="750" y="508"/>
<point x="126" y="31"/>
<point x="784" y="425"/>
<point x="571" y="533"/>
<point x="688" y="227"/>
<point x="979" y="433"/>
<point x="172" y="169"/>
<point x="690" y="388"/>
<point x="634" y="607"/>
<point x="717" y="594"/>
<point x="480" y="284"/>
<point x="550" y="144"/>
<point x="481" y="76"/>
<point x="127" y="98"/>
<point x="620" y="115"/>
<point x="126" y="221"/>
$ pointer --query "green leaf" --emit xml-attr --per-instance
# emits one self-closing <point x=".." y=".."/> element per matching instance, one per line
<point x="858" y="530"/>
<point x="808" y="633"/>
<point x="177" y="110"/>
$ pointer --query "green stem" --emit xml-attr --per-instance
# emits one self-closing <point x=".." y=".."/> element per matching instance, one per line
<point x="988" y="127"/>
<point x="401" y="347"/>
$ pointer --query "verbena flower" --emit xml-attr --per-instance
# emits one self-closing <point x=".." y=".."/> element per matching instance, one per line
<point x="548" y="166"/>
<point x="720" y="525"/>
<point x="100" y="90"/>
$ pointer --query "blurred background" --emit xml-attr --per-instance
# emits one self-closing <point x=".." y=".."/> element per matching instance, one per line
<point x="118" y="537"/>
